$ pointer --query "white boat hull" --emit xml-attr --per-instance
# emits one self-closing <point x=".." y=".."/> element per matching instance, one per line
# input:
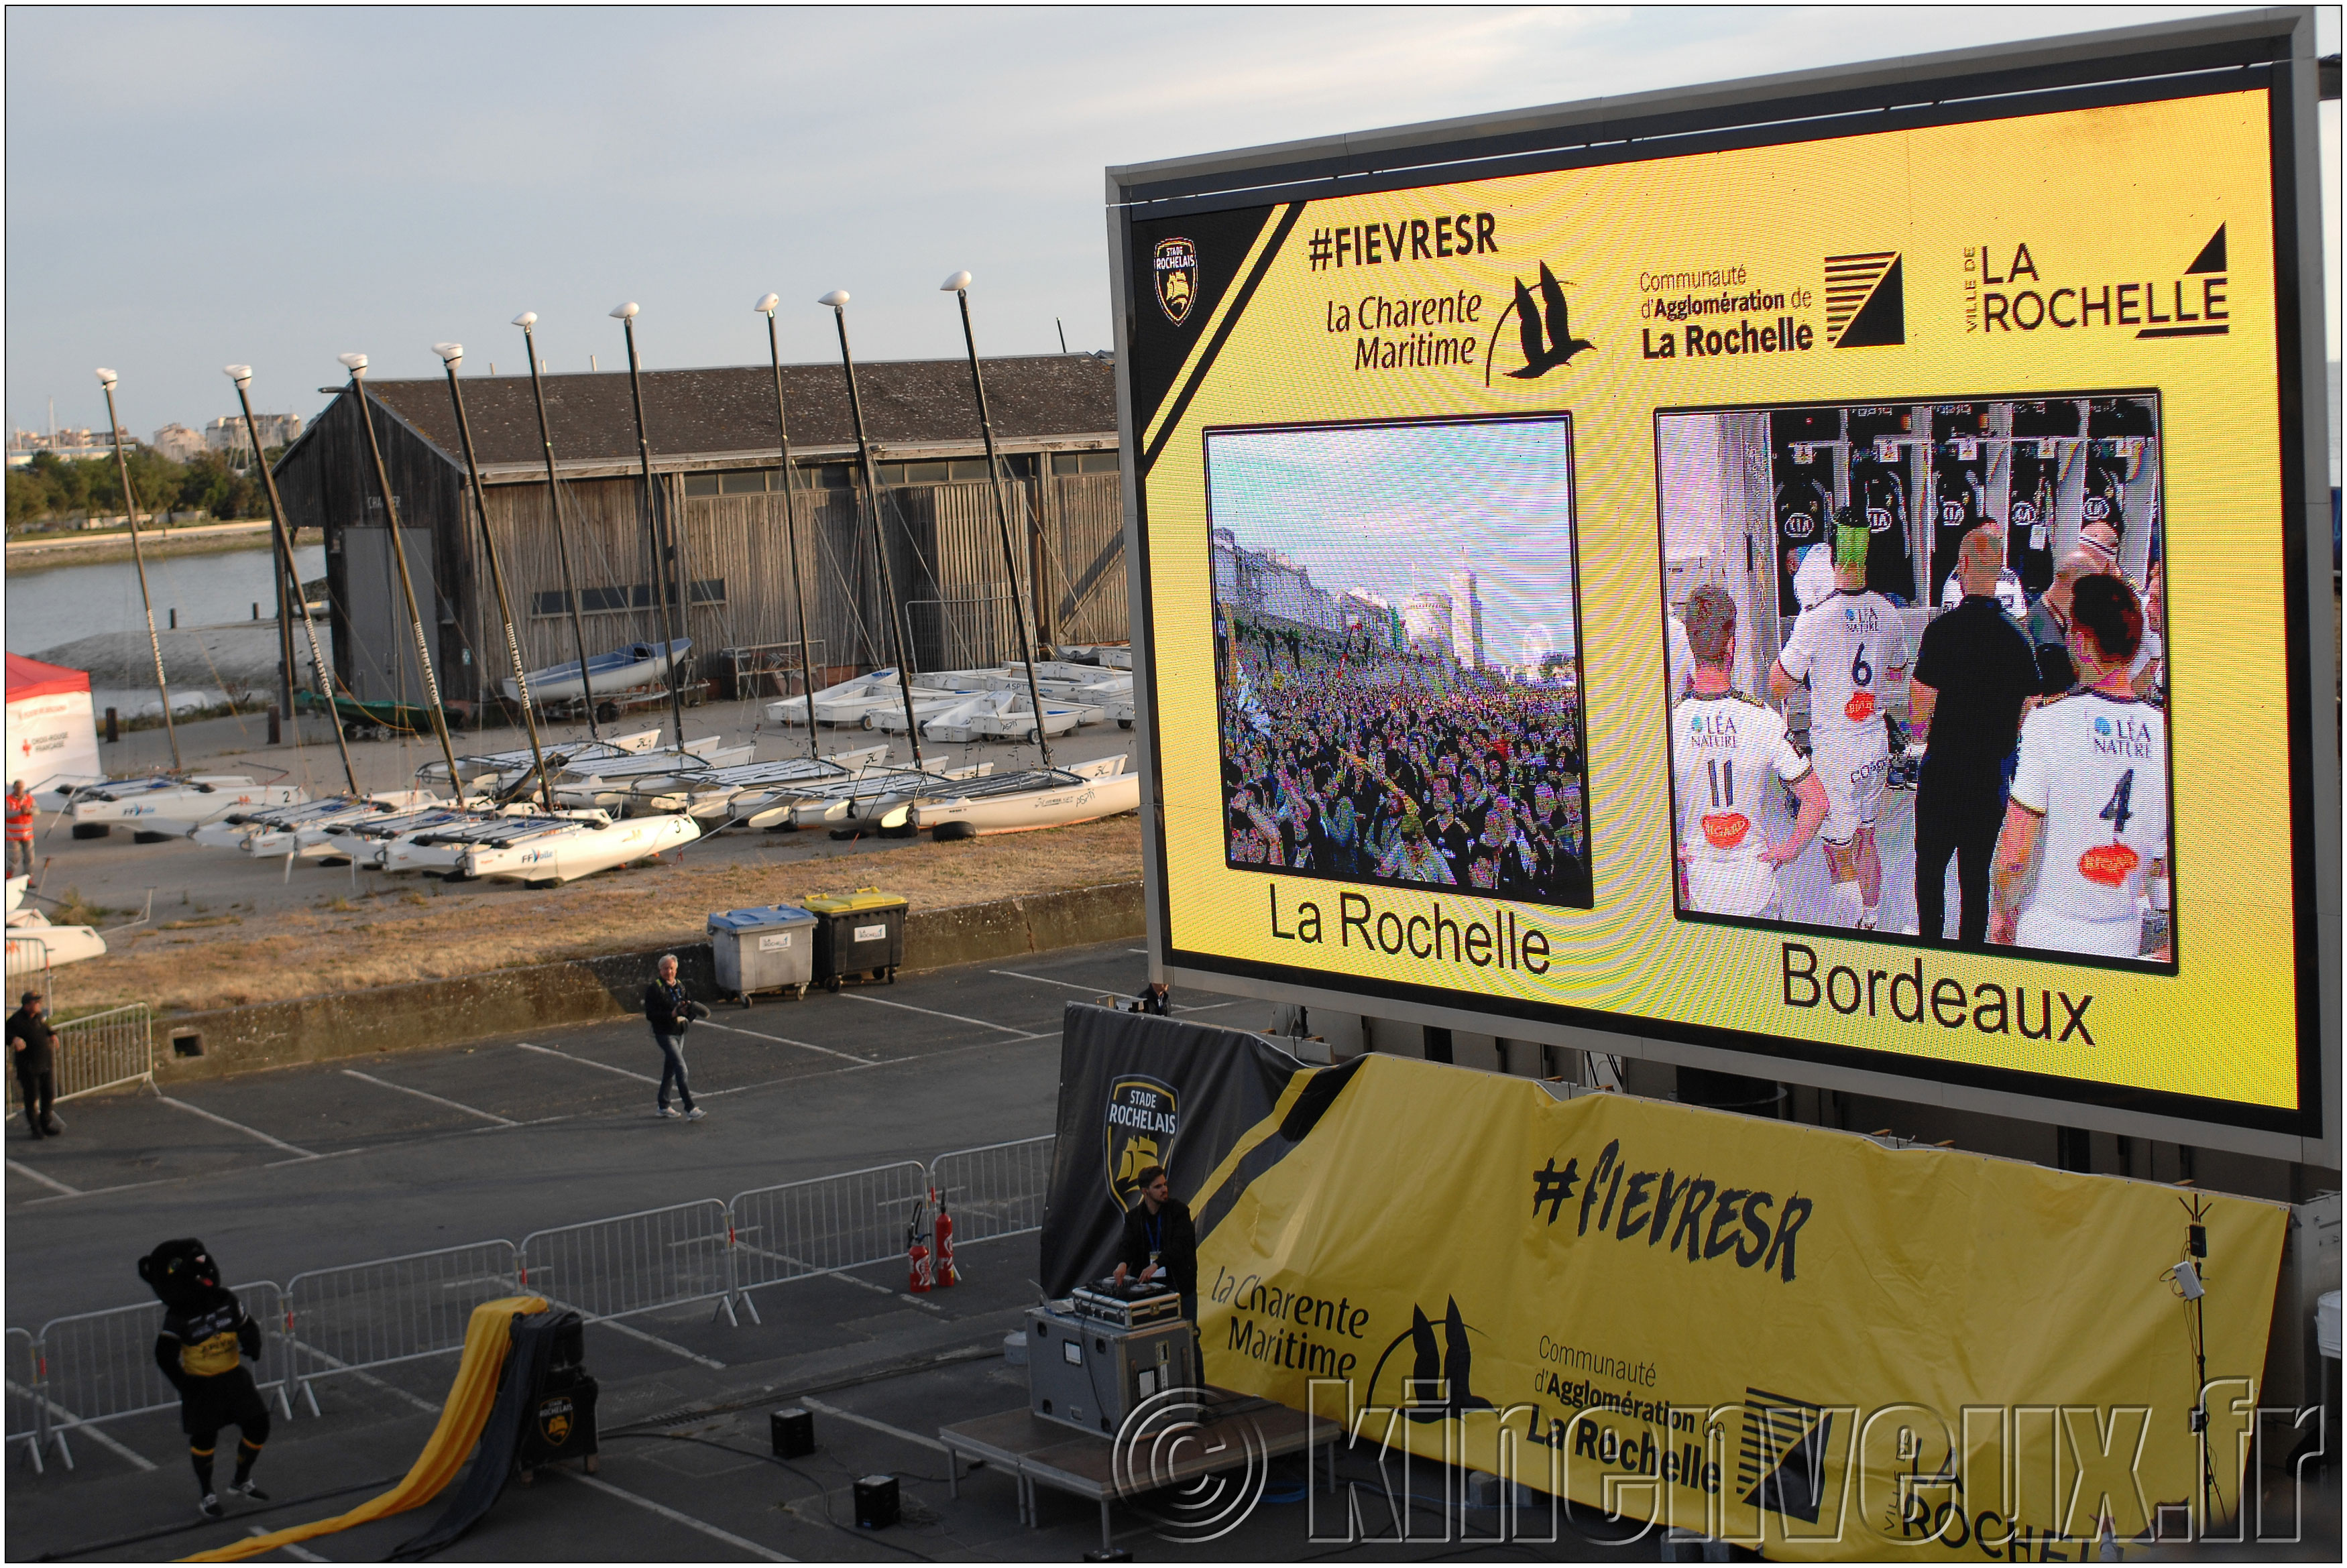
<point x="562" y="857"/>
<point x="34" y="944"/>
<point x="561" y="682"/>
<point x="176" y="808"/>
<point x="1059" y="806"/>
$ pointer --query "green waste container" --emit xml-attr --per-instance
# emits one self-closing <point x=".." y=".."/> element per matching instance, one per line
<point x="857" y="933"/>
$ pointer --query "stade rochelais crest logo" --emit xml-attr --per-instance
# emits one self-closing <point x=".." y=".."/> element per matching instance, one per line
<point x="1174" y="274"/>
<point x="1142" y="1119"/>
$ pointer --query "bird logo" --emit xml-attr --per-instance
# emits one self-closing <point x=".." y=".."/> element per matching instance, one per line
<point x="1545" y="328"/>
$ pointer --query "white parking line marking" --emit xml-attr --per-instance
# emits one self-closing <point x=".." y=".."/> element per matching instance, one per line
<point x="74" y="1424"/>
<point x="50" y="1182"/>
<point x="983" y="1024"/>
<point x="783" y="1040"/>
<point x="1047" y="980"/>
<point x="298" y="1553"/>
<point x="238" y="1127"/>
<point x="590" y="1061"/>
<point x="452" y="1104"/>
<point x="670" y="1514"/>
<point x="877" y="1426"/>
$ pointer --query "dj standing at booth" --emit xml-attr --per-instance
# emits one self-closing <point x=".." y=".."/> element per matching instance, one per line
<point x="1160" y="1242"/>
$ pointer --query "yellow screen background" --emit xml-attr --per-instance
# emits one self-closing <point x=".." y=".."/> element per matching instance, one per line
<point x="2101" y="196"/>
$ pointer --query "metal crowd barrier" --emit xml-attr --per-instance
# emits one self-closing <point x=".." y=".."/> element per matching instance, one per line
<point x="102" y="1050"/>
<point x="823" y="1224"/>
<point x="633" y="1263"/>
<point x="97" y="1367"/>
<point x="994" y="1191"/>
<point x="90" y="1368"/>
<point x="394" y="1310"/>
<point x="23" y="1359"/>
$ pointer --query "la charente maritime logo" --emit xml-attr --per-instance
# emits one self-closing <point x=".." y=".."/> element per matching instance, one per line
<point x="1543" y="328"/>
<point x="1175" y="269"/>
<point x="1141" y="1119"/>
<point x="1866" y="299"/>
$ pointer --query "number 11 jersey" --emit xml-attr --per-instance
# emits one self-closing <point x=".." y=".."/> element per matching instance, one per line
<point x="1724" y="747"/>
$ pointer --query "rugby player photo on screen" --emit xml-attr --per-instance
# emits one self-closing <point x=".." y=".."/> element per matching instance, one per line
<point x="1917" y="675"/>
<point x="1397" y="649"/>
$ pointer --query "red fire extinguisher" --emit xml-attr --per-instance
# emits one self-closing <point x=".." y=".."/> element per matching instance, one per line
<point x="918" y="1256"/>
<point x="947" y="1275"/>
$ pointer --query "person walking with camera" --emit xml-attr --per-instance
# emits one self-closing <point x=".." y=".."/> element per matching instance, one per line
<point x="668" y="1010"/>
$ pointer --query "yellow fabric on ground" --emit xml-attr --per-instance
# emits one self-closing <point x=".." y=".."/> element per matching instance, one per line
<point x="488" y="1337"/>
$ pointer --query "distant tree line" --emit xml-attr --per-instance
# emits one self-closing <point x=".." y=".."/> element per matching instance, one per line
<point x="57" y="489"/>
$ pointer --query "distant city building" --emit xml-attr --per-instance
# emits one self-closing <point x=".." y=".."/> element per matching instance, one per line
<point x="75" y="443"/>
<point x="179" y="443"/>
<point x="1426" y="622"/>
<point x="1466" y="619"/>
<point x="1270" y="582"/>
<point x="227" y="435"/>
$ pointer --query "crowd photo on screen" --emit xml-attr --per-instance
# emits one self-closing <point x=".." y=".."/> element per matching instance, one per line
<point x="1397" y="666"/>
<point x="1918" y="672"/>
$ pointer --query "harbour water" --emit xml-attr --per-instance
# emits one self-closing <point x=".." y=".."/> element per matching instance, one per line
<point x="52" y="606"/>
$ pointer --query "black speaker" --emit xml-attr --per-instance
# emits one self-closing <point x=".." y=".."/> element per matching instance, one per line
<point x="793" y="1432"/>
<point x="875" y="1503"/>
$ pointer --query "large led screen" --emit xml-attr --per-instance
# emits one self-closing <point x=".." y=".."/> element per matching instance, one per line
<point x="1829" y="601"/>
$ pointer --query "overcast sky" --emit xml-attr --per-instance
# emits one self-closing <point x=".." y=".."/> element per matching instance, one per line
<point x="190" y="187"/>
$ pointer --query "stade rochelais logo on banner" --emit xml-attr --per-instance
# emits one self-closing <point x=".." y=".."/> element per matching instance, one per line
<point x="1174" y="269"/>
<point x="1139" y="1123"/>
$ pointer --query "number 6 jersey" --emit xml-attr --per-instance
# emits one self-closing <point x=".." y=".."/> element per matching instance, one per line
<point x="2095" y="767"/>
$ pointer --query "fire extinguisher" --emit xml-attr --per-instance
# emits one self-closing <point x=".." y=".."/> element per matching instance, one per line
<point x="947" y="1275"/>
<point x="918" y="1256"/>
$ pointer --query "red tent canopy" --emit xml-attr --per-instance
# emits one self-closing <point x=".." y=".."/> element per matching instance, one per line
<point x="31" y="677"/>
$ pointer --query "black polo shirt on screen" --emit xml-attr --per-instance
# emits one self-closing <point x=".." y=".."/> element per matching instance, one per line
<point x="1981" y="662"/>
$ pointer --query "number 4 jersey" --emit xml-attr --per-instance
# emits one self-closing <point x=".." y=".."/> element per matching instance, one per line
<point x="1724" y="747"/>
<point x="2095" y="767"/>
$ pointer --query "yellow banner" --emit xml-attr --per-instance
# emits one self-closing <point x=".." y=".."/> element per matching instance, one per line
<point x="1437" y="469"/>
<point x="1790" y="1338"/>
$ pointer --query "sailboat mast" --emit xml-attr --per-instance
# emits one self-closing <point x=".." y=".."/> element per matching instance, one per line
<point x="665" y="564"/>
<point x="561" y="540"/>
<point x="452" y="355"/>
<point x="790" y="515"/>
<point x="290" y="582"/>
<point x="960" y="284"/>
<point x="357" y="363"/>
<point x="139" y="558"/>
<point x="837" y="300"/>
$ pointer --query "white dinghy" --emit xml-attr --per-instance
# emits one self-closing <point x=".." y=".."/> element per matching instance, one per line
<point x="621" y="670"/>
<point x="1035" y="797"/>
<point x="579" y="850"/>
<point x="168" y="805"/>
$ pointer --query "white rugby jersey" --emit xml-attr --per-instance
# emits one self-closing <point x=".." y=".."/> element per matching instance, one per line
<point x="1723" y="749"/>
<point x="2096" y="767"/>
<point x="1846" y="648"/>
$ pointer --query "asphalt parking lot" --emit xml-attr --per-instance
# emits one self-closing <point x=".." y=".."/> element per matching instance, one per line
<point x="344" y="1162"/>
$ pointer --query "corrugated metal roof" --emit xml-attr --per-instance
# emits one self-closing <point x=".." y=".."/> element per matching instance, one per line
<point x="709" y="413"/>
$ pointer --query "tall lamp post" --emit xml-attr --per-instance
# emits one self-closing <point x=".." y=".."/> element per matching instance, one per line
<point x="105" y="378"/>
<point x="451" y="356"/>
<point x="837" y="300"/>
<point x="356" y="365"/>
<point x="289" y="585"/>
<point x="526" y="321"/>
<point x="765" y="307"/>
<point x="958" y="287"/>
<point x="665" y="566"/>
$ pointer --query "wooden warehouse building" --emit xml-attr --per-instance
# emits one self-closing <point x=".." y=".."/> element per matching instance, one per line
<point x="716" y="472"/>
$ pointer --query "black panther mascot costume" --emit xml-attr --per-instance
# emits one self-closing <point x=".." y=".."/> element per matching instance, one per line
<point x="202" y="1348"/>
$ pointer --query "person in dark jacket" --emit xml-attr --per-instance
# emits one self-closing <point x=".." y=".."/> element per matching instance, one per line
<point x="668" y="1010"/>
<point x="1160" y="1242"/>
<point x="206" y="1337"/>
<point x="1155" y="998"/>
<point x="32" y="1053"/>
